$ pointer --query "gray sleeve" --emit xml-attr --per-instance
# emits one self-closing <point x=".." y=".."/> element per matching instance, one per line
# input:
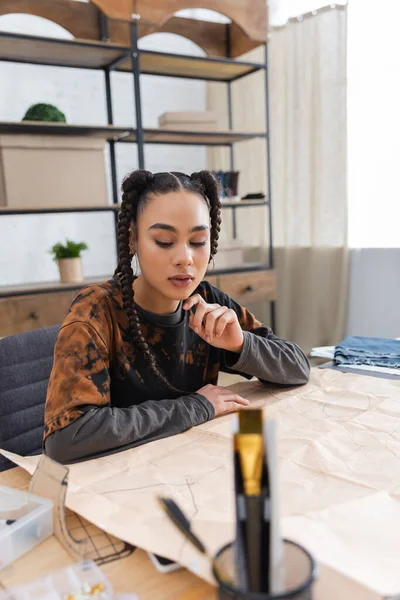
<point x="270" y="359"/>
<point x="103" y="430"/>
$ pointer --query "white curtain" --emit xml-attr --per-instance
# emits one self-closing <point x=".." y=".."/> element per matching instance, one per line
<point x="282" y="10"/>
<point x="309" y="176"/>
<point x="307" y="77"/>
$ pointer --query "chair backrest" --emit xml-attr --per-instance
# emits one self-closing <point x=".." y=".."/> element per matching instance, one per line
<point x="26" y="360"/>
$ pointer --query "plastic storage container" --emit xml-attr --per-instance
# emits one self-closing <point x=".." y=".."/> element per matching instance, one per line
<point x="25" y="521"/>
<point x="82" y="581"/>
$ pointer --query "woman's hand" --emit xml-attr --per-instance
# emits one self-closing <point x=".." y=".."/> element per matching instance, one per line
<point x="223" y="399"/>
<point x="217" y="325"/>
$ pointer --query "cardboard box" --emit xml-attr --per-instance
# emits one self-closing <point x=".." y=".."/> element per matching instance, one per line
<point x="189" y="121"/>
<point x="52" y="171"/>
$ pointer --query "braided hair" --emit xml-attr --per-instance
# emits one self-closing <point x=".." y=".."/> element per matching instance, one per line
<point x="136" y="191"/>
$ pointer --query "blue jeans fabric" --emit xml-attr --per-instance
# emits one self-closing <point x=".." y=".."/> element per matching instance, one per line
<point x="378" y="352"/>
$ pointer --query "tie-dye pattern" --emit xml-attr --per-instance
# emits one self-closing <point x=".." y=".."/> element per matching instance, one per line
<point x="95" y="363"/>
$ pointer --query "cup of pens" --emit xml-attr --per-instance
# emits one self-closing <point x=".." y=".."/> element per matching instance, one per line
<point x="259" y="565"/>
<point x="297" y="575"/>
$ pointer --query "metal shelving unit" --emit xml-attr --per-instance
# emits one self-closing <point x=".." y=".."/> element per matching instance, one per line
<point x="109" y="57"/>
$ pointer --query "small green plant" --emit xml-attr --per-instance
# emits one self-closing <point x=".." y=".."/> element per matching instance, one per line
<point x="67" y="250"/>
<point x="44" y="112"/>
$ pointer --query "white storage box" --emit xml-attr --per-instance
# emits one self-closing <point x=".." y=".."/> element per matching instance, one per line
<point x="189" y="121"/>
<point x="227" y="258"/>
<point x="51" y="171"/>
<point x="25" y="521"/>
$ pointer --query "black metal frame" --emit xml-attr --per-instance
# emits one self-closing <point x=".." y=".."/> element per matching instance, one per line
<point x="134" y="53"/>
<point x="269" y="185"/>
<point x="137" y="93"/>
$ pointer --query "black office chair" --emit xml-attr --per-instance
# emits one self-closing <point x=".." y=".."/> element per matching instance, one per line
<point x="26" y="360"/>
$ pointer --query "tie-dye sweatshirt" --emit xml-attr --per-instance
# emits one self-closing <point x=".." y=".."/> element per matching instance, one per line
<point x="102" y="395"/>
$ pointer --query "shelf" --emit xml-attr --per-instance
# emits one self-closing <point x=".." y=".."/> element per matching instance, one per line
<point x="243" y="268"/>
<point x="192" y="67"/>
<point x="128" y="134"/>
<point x="102" y="55"/>
<point x="106" y="57"/>
<point x="106" y="132"/>
<point x="56" y="286"/>
<point x="245" y="203"/>
<point x="60" y="53"/>
<point x="192" y="138"/>
<point x="37" y="210"/>
<point x="43" y="288"/>
<point x="219" y="138"/>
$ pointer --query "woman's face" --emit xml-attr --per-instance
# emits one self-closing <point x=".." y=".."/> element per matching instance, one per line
<point x="173" y="245"/>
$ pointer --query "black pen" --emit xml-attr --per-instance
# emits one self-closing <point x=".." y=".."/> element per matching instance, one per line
<point x="183" y="524"/>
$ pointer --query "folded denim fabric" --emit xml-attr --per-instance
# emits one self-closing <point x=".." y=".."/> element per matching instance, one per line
<point x="379" y="352"/>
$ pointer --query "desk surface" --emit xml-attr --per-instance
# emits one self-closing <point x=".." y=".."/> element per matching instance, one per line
<point x="134" y="574"/>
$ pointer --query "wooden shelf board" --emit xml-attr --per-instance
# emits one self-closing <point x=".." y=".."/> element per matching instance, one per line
<point x="99" y="55"/>
<point x="59" y="52"/>
<point x="242" y="268"/>
<point x="50" y="286"/>
<point x="167" y="136"/>
<point x="7" y="210"/>
<point x="243" y="203"/>
<point x="56" y="286"/>
<point x="192" y="67"/>
<point x="128" y="134"/>
<point x="106" y="132"/>
<point x="40" y="210"/>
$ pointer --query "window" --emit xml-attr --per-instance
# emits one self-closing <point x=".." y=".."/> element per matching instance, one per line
<point x="374" y="123"/>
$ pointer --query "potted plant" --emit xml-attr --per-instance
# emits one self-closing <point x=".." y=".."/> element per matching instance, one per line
<point x="68" y="258"/>
<point x="44" y="112"/>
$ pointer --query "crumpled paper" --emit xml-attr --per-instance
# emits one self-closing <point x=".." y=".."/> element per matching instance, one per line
<point x="339" y="449"/>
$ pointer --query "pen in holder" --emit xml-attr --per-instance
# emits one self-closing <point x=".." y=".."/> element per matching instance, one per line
<point x="300" y="568"/>
<point x="259" y="565"/>
<point x="299" y="575"/>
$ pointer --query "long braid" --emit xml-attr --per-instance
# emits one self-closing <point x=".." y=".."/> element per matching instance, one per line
<point x="209" y="187"/>
<point x="133" y="187"/>
<point x="136" y="189"/>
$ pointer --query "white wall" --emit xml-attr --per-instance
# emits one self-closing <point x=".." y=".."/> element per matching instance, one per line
<point x="374" y="295"/>
<point x="25" y="241"/>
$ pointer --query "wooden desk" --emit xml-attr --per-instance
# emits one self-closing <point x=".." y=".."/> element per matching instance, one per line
<point x="135" y="573"/>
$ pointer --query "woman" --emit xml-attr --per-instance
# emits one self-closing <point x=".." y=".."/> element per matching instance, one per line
<point x="137" y="358"/>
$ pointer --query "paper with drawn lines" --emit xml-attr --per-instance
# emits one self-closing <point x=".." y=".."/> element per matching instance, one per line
<point x="339" y="449"/>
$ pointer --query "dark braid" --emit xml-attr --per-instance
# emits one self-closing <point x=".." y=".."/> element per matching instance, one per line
<point x="137" y="188"/>
<point x="209" y="188"/>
